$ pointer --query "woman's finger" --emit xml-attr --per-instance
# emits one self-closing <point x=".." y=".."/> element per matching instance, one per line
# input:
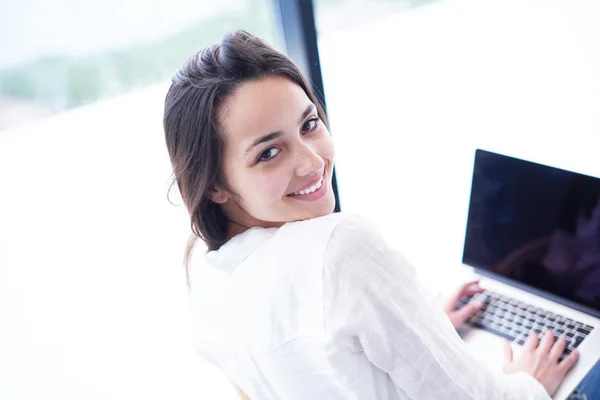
<point x="467" y="285"/>
<point x="471" y="290"/>
<point x="464" y="290"/>
<point x="569" y="361"/>
<point x="546" y="342"/>
<point x="465" y="312"/>
<point x="532" y="341"/>
<point x="558" y="348"/>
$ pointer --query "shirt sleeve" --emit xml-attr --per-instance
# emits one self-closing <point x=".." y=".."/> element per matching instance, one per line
<point x="375" y="304"/>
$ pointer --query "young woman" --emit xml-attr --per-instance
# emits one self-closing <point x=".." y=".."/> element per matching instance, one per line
<point x="292" y="301"/>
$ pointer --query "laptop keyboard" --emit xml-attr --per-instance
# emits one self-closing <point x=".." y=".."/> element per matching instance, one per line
<point x="515" y="320"/>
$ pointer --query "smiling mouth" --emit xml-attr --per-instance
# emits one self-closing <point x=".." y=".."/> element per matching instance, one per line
<point x="311" y="189"/>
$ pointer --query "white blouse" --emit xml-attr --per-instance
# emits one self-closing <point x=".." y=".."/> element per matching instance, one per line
<point x="324" y="309"/>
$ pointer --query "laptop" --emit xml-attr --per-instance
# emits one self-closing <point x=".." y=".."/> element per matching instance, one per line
<point x="533" y="233"/>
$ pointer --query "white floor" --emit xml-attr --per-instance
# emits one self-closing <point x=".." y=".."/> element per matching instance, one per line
<point x="92" y="294"/>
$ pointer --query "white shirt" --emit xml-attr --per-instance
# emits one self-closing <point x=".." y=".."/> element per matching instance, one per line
<point x="324" y="309"/>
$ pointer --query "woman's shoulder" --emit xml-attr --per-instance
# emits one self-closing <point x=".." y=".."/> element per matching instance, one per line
<point x="333" y="220"/>
<point x="350" y="224"/>
<point x="327" y="231"/>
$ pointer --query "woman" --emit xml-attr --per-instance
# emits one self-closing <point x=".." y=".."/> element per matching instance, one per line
<point x="292" y="301"/>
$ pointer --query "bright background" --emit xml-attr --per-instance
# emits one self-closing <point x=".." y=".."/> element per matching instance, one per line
<point x="93" y="301"/>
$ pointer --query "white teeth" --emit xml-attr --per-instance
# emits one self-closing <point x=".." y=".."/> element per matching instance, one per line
<point x="310" y="189"/>
<point x="318" y="185"/>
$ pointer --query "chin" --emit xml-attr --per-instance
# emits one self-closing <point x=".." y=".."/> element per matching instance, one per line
<point x="323" y="209"/>
<point x="329" y="205"/>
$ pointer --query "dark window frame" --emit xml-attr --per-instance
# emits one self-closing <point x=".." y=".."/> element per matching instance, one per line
<point x="295" y="21"/>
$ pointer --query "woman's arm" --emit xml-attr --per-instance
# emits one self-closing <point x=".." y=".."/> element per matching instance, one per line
<point x="374" y="302"/>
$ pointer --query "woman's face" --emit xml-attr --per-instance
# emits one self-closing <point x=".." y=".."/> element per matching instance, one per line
<point x="278" y="156"/>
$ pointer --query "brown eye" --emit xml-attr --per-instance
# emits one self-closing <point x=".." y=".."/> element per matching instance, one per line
<point x="268" y="154"/>
<point x="310" y="125"/>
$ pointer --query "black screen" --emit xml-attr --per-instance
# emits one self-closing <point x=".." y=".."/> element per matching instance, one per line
<point x="537" y="225"/>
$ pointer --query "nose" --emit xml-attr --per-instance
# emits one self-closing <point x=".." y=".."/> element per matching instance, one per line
<point x="309" y="161"/>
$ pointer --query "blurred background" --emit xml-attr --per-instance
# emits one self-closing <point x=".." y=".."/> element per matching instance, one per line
<point x="93" y="301"/>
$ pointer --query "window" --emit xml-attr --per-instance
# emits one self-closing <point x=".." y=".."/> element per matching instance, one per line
<point x="65" y="54"/>
<point x="92" y="288"/>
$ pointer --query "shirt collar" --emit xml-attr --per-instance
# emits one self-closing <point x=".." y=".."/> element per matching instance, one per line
<point x="238" y="248"/>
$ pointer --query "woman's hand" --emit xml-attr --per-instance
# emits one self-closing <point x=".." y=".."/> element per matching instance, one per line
<point x="459" y="317"/>
<point x="539" y="358"/>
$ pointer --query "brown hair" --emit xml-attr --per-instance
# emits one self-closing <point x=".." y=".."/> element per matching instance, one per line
<point x="192" y="132"/>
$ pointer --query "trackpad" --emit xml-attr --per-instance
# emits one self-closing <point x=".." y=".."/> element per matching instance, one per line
<point x="486" y="346"/>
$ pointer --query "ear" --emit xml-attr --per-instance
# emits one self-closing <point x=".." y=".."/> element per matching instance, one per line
<point x="217" y="195"/>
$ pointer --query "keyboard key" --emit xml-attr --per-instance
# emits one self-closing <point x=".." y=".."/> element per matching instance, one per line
<point x="577" y="341"/>
<point x="583" y="330"/>
<point x="498" y="332"/>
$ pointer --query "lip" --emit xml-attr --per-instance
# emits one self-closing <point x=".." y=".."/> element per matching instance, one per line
<point x="317" y="194"/>
<point x="311" y="183"/>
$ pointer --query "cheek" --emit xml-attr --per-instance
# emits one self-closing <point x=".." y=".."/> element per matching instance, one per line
<point x="268" y="186"/>
<point x="277" y="183"/>
<point x="326" y="148"/>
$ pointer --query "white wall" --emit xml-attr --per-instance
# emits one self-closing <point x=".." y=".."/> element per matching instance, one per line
<point x="411" y="97"/>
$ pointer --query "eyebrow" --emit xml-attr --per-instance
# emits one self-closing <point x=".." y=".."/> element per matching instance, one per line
<point x="275" y="135"/>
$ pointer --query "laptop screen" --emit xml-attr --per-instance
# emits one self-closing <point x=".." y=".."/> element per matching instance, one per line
<point x="537" y="225"/>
